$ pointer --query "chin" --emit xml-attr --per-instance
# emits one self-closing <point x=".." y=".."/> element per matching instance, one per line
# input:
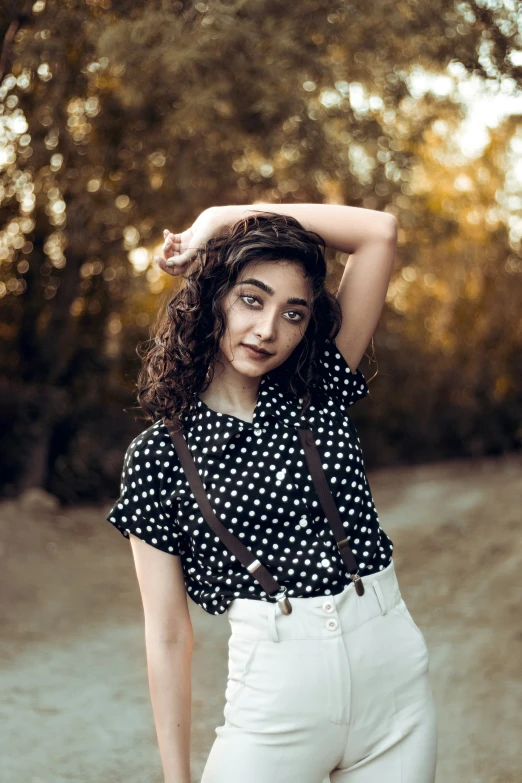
<point x="243" y="368"/>
<point x="252" y="372"/>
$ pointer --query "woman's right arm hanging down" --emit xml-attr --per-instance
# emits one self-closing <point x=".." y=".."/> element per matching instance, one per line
<point x="169" y="643"/>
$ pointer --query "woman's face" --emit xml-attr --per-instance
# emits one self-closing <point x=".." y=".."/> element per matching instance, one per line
<point x="269" y="307"/>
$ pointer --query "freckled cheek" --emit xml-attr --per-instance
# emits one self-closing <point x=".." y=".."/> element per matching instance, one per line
<point x="286" y="345"/>
<point x="292" y="336"/>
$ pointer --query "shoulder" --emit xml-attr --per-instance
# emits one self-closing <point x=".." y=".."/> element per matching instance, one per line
<point x="335" y="377"/>
<point x="147" y="506"/>
<point x="150" y="448"/>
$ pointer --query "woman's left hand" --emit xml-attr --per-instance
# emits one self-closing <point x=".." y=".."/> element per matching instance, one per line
<point x="180" y="250"/>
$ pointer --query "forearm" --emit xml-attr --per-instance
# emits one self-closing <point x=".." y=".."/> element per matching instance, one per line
<point x="169" y="670"/>
<point x="343" y="228"/>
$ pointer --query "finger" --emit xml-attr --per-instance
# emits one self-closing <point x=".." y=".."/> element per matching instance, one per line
<point x="179" y="263"/>
<point x="162" y="264"/>
<point x="182" y="258"/>
<point x="171" y="244"/>
<point x="169" y="250"/>
<point x="171" y="259"/>
<point x="172" y="271"/>
<point x="176" y="261"/>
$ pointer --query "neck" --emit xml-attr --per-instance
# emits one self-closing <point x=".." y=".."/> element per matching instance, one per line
<point x="231" y="392"/>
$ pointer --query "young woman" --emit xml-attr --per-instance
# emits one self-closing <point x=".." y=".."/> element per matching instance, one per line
<point x="328" y="675"/>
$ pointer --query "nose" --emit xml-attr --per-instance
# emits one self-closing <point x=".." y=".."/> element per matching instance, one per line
<point x="265" y="327"/>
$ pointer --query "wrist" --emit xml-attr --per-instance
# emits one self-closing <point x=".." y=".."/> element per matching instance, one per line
<point x="232" y="213"/>
<point x="225" y="215"/>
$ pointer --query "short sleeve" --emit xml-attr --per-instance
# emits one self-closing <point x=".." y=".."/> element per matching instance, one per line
<point x="338" y="381"/>
<point x="139" y="509"/>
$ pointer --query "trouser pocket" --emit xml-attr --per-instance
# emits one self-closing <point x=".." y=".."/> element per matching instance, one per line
<point x="280" y="684"/>
<point x="405" y="613"/>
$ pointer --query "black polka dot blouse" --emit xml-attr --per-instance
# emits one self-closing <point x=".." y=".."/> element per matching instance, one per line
<point x="258" y="484"/>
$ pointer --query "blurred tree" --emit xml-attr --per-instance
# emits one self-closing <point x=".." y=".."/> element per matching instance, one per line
<point x="120" y="120"/>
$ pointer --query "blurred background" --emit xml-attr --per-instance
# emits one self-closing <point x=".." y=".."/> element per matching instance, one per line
<point x="118" y="120"/>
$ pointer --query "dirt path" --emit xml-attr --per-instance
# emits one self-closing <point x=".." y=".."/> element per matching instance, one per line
<point x="75" y="703"/>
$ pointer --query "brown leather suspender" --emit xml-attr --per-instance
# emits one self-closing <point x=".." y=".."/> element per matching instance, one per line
<point x="329" y="506"/>
<point x="237" y="548"/>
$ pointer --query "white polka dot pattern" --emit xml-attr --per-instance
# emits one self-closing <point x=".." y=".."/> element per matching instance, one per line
<point x="257" y="481"/>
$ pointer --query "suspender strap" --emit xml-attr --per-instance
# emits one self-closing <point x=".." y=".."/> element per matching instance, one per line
<point x="315" y="467"/>
<point x="238" y="549"/>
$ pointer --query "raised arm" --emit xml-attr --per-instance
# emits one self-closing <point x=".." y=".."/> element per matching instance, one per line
<point x="367" y="236"/>
<point x="370" y="239"/>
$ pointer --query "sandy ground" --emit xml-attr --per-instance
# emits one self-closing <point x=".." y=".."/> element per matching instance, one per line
<point x="75" y="703"/>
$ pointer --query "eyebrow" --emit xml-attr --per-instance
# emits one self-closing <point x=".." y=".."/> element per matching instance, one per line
<point x="295" y="300"/>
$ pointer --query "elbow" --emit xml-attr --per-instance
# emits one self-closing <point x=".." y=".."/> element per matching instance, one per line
<point x="390" y="227"/>
<point x="180" y="636"/>
<point x="180" y="642"/>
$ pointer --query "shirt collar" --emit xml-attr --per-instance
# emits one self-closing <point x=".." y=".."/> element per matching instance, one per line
<point x="273" y="405"/>
<point x="276" y="403"/>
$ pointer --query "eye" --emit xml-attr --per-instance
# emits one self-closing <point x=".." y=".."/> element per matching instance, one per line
<point x="249" y="296"/>
<point x="300" y="315"/>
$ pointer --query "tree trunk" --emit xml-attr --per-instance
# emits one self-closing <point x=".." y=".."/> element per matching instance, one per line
<point x="40" y="408"/>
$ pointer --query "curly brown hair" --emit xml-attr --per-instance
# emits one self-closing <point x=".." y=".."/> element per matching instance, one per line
<point x="178" y="360"/>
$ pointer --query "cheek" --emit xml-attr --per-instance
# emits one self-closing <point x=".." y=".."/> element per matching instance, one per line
<point x="238" y="321"/>
<point x="236" y="318"/>
<point x="291" y="336"/>
<point x="295" y="332"/>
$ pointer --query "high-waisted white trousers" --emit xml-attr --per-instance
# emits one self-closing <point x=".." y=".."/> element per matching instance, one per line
<point x="339" y="687"/>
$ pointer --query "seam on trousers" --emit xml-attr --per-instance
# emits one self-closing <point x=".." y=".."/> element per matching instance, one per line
<point x="399" y="728"/>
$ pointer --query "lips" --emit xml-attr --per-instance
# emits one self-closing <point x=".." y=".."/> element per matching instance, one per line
<point x="255" y="350"/>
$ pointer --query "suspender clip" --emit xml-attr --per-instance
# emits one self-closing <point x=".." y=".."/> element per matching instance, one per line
<point x="359" y="584"/>
<point x="283" y="601"/>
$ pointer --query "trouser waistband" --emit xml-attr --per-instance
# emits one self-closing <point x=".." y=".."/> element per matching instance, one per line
<point x="319" y="616"/>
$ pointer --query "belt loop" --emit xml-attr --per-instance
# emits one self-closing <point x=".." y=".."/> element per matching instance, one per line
<point x="271" y="616"/>
<point x="380" y="597"/>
